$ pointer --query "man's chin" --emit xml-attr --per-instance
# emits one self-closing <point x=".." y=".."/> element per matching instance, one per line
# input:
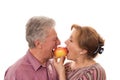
<point x="51" y="57"/>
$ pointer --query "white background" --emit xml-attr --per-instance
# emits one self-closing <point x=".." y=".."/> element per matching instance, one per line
<point x="103" y="15"/>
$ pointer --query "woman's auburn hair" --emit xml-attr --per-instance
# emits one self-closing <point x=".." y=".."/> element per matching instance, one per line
<point x="88" y="39"/>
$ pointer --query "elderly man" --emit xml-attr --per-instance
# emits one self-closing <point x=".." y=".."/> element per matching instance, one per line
<point x="36" y="64"/>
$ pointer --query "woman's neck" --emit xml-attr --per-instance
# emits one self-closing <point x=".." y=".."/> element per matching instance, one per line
<point x="80" y="63"/>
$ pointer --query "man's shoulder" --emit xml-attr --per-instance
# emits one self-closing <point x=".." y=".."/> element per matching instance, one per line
<point x="18" y="66"/>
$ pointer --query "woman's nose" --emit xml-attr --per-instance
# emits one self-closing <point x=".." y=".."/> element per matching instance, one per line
<point x="66" y="42"/>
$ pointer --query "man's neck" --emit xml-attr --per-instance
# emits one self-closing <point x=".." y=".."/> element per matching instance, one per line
<point x="38" y="55"/>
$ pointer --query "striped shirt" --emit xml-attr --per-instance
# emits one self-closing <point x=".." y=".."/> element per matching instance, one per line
<point x="93" y="72"/>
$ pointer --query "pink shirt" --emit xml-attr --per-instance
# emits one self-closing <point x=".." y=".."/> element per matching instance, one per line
<point x="28" y="68"/>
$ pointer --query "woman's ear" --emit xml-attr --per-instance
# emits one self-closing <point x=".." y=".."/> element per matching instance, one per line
<point x="83" y="51"/>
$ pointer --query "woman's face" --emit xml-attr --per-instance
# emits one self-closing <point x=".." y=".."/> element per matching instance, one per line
<point x="72" y="46"/>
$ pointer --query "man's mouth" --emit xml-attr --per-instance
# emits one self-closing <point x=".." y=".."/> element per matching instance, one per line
<point x="53" y="51"/>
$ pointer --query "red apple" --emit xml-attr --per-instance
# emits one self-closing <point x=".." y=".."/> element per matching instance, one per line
<point x="60" y="51"/>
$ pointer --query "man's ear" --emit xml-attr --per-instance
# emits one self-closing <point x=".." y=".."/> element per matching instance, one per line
<point x="37" y="43"/>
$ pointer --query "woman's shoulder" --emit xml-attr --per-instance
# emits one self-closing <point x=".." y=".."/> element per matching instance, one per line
<point x="96" y="67"/>
<point x="94" y="71"/>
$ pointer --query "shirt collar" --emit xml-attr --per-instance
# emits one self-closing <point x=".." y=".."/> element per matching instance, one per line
<point x="33" y="61"/>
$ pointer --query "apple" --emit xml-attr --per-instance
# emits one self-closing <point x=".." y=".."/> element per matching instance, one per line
<point x="60" y="51"/>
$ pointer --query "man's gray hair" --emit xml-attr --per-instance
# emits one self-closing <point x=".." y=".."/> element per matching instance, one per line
<point x="37" y="27"/>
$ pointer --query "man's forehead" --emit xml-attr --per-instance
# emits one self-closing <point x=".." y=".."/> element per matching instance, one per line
<point x="52" y="33"/>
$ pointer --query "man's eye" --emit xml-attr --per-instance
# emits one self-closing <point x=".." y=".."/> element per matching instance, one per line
<point x="70" y="40"/>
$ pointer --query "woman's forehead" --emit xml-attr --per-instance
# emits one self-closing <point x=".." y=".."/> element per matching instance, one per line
<point x="74" y="35"/>
<point x="75" y="32"/>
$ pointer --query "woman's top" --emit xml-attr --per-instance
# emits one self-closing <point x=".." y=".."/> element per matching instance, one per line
<point x="93" y="72"/>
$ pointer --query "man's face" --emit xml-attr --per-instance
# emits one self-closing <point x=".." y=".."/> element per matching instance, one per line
<point x="50" y="43"/>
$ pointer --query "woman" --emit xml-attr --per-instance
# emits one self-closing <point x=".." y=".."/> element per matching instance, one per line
<point x="83" y="46"/>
